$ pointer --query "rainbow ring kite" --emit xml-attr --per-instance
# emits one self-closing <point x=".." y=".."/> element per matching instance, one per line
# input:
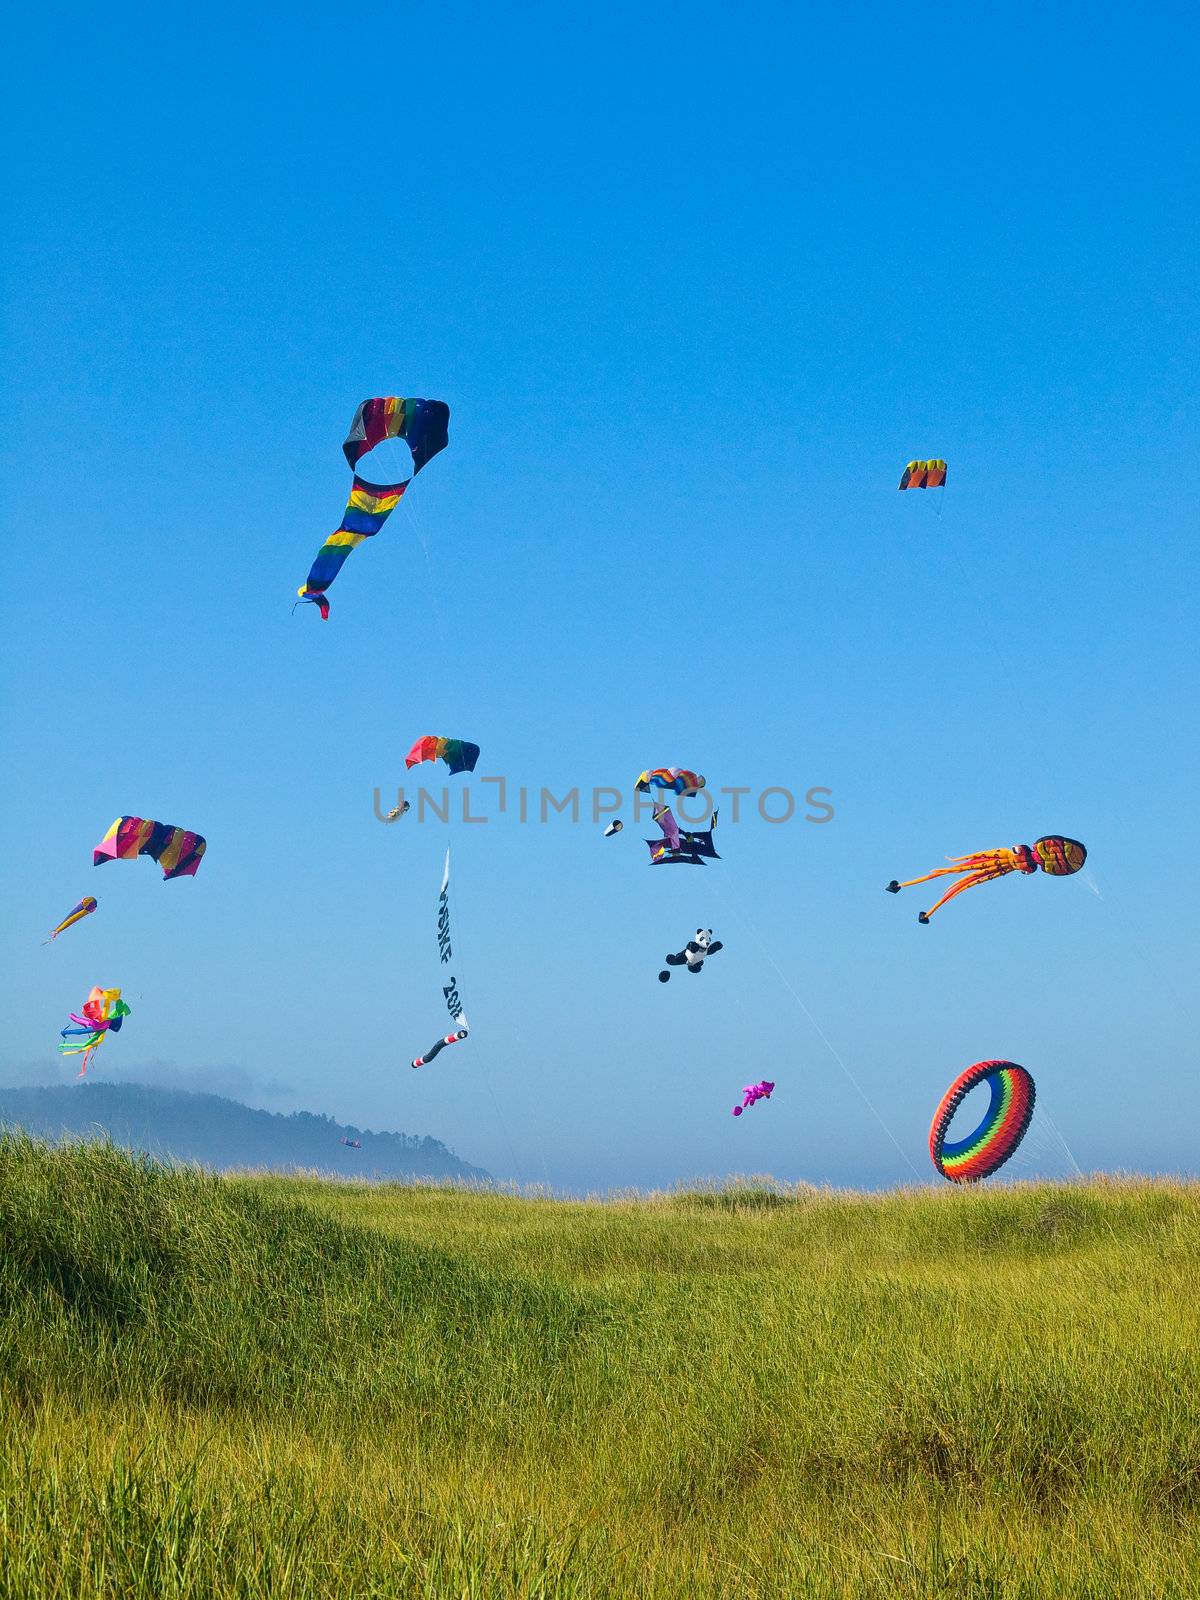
<point x="1003" y="1127"/>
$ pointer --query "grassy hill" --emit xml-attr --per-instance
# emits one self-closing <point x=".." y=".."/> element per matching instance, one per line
<point x="278" y="1387"/>
<point x="223" y="1134"/>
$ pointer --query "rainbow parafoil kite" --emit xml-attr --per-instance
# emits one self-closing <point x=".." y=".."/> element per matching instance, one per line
<point x="103" y="1013"/>
<point x="460" y="755"/>
<point x="1055" y="855"/>
<point x="424" y="426"/>
<point x="177" y="851"/>
<point x="84" y="909"/>
<point x="924" y="475"/>
<point x="678" y="779"/>
<point x="1008" y="1115"/>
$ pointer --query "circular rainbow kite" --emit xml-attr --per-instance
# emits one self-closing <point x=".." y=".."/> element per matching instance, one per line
<point x="1003" y="1127"/>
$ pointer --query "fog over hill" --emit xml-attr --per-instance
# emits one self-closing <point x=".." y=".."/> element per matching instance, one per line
<point x="222" y="1133"/>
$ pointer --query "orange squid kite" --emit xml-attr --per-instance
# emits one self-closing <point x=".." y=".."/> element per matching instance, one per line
<point x="1055" y="855"/>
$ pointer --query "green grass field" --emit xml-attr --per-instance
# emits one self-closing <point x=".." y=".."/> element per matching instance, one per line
<point x="257" y="1387"/>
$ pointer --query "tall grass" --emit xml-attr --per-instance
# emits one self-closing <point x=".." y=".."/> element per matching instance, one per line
<point x="214" y="1387"/>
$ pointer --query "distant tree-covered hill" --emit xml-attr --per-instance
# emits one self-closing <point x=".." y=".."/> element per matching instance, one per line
<point x="222" y="1133"/>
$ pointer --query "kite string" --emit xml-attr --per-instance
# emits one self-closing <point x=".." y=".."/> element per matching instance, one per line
<point x="820" y="1032"/>
<point x="443" y="634"/>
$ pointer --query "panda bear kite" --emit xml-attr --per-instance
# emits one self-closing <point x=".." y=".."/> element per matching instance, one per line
<point x="693" y="954"/>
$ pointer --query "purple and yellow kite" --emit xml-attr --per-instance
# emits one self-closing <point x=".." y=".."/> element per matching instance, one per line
<point x="424" y="426"/>
<point x="77" y="913"/>
<point x="177" y="851"/>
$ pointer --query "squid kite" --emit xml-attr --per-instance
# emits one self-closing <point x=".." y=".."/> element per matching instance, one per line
<point x="460" y="755"/>
<point x="103" y="1012"/>
<point x="77" y="913"/>
<point x="424" y="426"/>
<point x="678" y="779"/>
<point x="924" y="475"/>
<point x="753" y="1092"/>
<point x="177" y="851"/>
<point x="1054" y="855"/>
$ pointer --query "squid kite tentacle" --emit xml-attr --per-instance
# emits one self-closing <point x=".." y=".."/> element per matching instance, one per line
<point x="1054" y="854"/>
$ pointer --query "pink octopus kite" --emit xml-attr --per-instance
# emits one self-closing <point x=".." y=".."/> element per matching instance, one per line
<point x="753" y="1092"/>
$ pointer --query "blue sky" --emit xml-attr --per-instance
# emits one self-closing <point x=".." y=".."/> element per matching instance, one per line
<point x="695" y="286"/>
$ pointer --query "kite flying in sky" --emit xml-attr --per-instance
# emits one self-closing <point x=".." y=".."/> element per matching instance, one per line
<point x="449" y="990"/>
<point x="424" y="426"/>
<point x="694" y="953"/>
<point x="438" y="1046"/>
<point x="678" y="779"/>
<point x="692" y="846"/>
<point x="924" y="475"/>
<point x="1008" y="1115"/>
<point x="460" y="755"/>
<point x="103" y="1012"/>
<point x="753" y="1092"/>
<point x="1055" y="855"/>
<point x="177" y="851"/>
<point x="84" y="909"/>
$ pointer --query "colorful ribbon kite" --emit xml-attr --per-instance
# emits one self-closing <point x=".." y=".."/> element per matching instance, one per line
<point x="1055" y="855"/>
<point x="424" y="426"/>
<point x="1009" y="1113"/>
<point x="103" y="1013"/>
<point x="84" y="909"/>
<point x="177" y="851"/>
<point x="753" y="1092"/>
<point x="924" y="475"/>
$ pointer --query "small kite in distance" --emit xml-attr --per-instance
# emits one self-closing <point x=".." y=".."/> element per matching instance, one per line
<point x="924" y="475"/>
<point x="693" y="954"/>
<point x="398" y="811"/>
<point x="613" y="828"/>
<point x="753" y="1092"/>
<point x="678" y="779"/>
<point x="77" y="913"/>
<point x="351" y="1144"/>
<point x="1055" y="855"/>
<point x="438" y="1046"/>
<point x="460" y="755"/>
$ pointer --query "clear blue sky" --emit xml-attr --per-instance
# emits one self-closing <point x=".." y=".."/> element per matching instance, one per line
<point x="695" y="284"/>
